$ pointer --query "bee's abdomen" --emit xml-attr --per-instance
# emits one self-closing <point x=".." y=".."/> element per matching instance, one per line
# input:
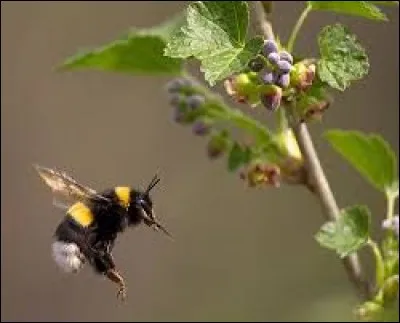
<point x="70" y="231"/>
<point x="68" y="256"/>
<point x="68" y="247"/>
<point x="81" y="213"/>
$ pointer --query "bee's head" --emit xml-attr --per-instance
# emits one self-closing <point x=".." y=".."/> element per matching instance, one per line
<point x="143" y="207"/>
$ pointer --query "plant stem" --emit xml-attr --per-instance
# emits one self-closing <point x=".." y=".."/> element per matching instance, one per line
<point x="263" y="23"/>
<point x="390" y="200"/>
<point x="323" y="192"/>
<point x="297" y="27"/>
<point x="318" y="183"/>
<point x="380" y="265"/>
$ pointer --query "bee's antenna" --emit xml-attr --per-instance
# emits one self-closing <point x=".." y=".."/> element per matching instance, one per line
<point x="154" y="181"/>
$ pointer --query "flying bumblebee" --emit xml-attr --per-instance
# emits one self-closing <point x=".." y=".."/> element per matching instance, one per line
<point x="93" y="220"/>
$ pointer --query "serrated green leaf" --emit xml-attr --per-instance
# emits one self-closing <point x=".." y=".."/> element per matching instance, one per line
<point x="355" y="8"/>
<point x="166" y="29"/>
<point x="343" y="59"/>
<point x="140" y="52"/>
<point x="238" y="156"/>
<point x="370" y="154"/>
<point x="348" y="233"/>
<point x="225" y="63"/>
<point x="215" y="33"/>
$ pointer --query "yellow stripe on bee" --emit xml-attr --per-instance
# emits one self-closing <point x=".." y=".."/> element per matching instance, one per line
<point x="81" y="214"/>
<point x="124" y="195"/>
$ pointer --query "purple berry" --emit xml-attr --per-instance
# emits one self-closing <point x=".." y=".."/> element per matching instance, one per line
<point x="176" y="99"/>
<point x="269" y="47"/>
<point x="174" y="85"/>
<point x="195" y="101"/>
<point x="284" y="66"/>
<point x="269" y="77"/>
<point x="178" y="84"/>
<point x="256" y="64"/>
<point x="273" y="58"/>
<point x="283" y="80"/>
<point x="201" y="128"/>
<point x="285" y="56"/>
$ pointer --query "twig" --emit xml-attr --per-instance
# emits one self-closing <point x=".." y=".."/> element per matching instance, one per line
<point x="317" y="181"/>
<point x="260" y="11"/>
<point x="323" y="191"/>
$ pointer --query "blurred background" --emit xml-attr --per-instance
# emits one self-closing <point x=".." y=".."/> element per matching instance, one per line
<point x="239" y="253"/>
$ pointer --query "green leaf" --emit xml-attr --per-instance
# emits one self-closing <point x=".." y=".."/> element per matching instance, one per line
<point x="355" y="8"/>
<point x="140" y="52"/>
<point x="348" y="233"/>
<point x="167" y="28"/>
<point x="385" y="3"/>
<point x="215" y="33"/>
<point x="370" y="154"/>
<point x="343" y="59"/>
<point x="238" y="156"/>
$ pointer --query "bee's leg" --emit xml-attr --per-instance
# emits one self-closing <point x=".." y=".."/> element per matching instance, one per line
<point x="103" y="263"/>
<point x="113" y="275"/>
<point x="116" y="277"/>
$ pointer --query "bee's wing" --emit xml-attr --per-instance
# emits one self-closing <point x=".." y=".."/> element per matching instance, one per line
<point x="66" y="190"/>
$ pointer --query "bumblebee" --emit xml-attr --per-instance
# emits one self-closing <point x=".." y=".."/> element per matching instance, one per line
<point x="93" y="220"/>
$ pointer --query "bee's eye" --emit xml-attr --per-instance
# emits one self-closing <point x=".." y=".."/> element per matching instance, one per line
<point x="140" y="201"/>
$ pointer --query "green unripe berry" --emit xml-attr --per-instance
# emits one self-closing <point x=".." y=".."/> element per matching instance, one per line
<point x="369" y="311"/>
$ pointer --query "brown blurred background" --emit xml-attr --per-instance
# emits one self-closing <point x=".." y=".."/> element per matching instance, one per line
<point x="238" y="254"/>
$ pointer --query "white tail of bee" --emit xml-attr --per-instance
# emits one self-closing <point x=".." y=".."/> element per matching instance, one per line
<point x="68" y="256"/>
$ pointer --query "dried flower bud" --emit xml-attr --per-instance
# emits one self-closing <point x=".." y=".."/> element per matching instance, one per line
<point x="217" y="145"/>
<point x="262" y="174"/>
<point x="302" y="75"/>
<point x="271" y="97"/>
<point x="316" y="110"/>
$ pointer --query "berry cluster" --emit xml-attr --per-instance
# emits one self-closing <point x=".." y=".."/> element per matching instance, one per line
<point x="271" y="77"/>
<point x="269" y="74"/>
<point x="189" y="109"/>
<point x="186" y="102"/>
<point x="277" y="68"/>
